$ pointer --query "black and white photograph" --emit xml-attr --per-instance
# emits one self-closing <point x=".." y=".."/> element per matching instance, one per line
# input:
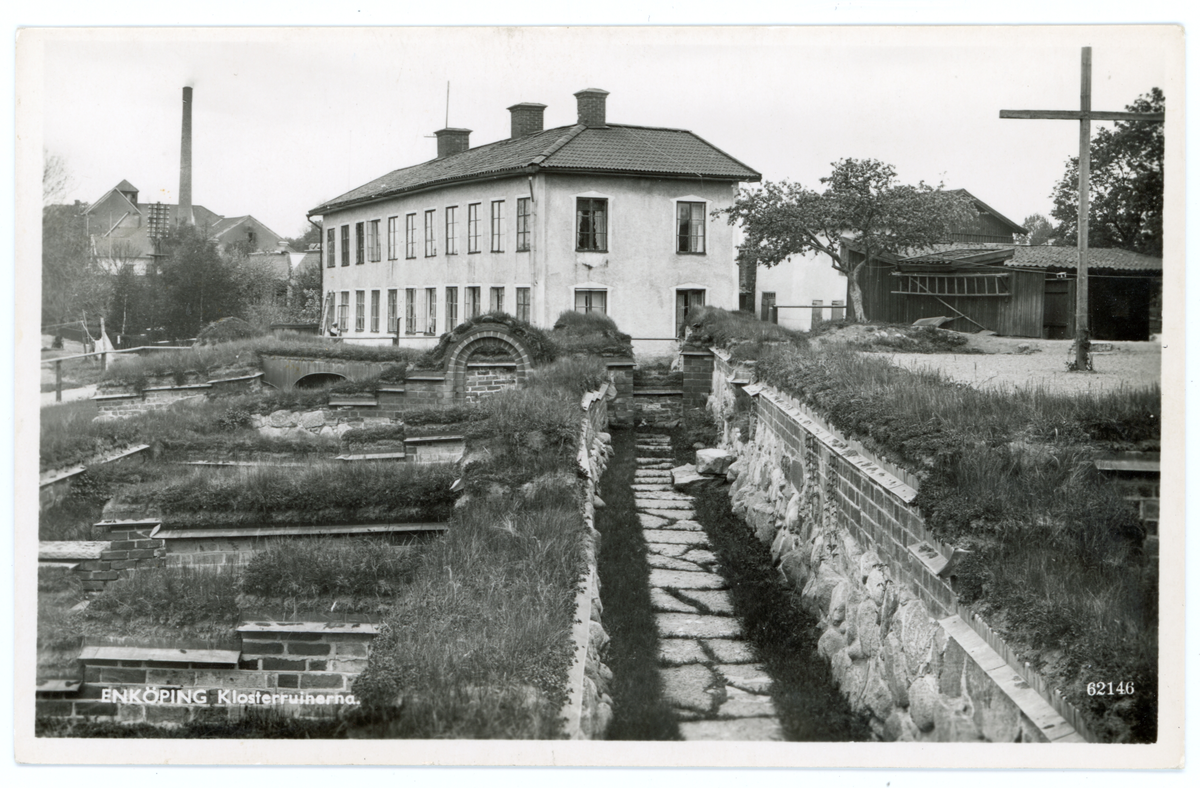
<point x="642" y="396"/>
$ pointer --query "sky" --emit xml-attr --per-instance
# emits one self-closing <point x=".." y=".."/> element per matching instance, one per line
<point x="285" y="120"/>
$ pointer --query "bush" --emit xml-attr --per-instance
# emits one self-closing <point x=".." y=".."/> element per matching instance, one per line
<point x="227" y="329"/>
<point x="574" y="374"/>
<point x="593" y="333"/>
<point x="713" y="326"/>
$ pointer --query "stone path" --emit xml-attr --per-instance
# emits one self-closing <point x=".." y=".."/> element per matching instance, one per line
<point x="709" y="673"/>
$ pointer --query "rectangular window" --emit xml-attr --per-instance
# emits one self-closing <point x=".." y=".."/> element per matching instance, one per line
<point x="497" y="225"/>
<point x="451" y="308"/>
<point x="330" y="251"/>
<point x="410" y="236"/>
<point x="374" y="311"/>
<point x="358" y="244"/>
<point x="591" y="301"/>
<point x="345" y="244"/>
<point x="392" y="328"/>
<point x="471" y="306"/>
<point x="473" y="228"/>
<point x="685" y="302"/>
<point x="392" y="248"/>
<point x="496" y="302"/>
<point x="522" y="224"/>
<point x="410" y="310"/>
<point x="430" y="238"/>
<point x="689" y="234"/>
<point x="452" y="230"/>
<point x="591" y="225"/>
<point x="523" y="304"/>
<point x="373" y="241"/>
<point x="360" y="309"/>
<point x="344" y="313"/>
<point x="431" y="310"/>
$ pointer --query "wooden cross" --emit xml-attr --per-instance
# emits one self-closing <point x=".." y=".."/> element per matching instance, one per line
<point x="1085" y="116"/>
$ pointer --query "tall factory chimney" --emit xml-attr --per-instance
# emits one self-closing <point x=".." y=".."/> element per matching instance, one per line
<point x="185" y="162"/>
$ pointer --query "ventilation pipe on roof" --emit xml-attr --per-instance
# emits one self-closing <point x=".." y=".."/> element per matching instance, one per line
<point x="591" y="107"/>
<point x="526" y="119"/>
<point x="452" y="141"/>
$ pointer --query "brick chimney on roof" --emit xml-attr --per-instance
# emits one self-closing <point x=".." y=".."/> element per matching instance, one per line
<point x="591" y="107"/>
<point x="452" y="141"/>
<point x="526" y="119"/>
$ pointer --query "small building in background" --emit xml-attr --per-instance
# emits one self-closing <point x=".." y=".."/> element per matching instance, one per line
<point x="121" y="229"/>
<point x="1020" y="291"/>
<point x="806" y="289"/>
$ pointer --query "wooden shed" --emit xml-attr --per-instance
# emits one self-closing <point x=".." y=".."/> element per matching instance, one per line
<point x="1020" y="291"/>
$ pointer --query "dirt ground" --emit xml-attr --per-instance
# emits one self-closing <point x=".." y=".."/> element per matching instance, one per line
<point x="1006" y="363"/>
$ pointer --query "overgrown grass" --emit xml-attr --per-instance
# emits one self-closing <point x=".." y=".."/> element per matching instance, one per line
<point x="70" y="435"/>
<point x="591" y="333"/>
<point x="478" y="646"/>
<point x="574" y="375"/>
<point x="1056" y="553"/>
<point x="331" y="492"/>
<point x="176" y="597"/>
<point x="361" y="574"/>
<point x="228" y="359"/>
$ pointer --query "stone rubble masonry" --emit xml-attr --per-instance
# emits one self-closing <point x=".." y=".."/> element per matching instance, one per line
<point x="124" y="403"/>
<point x="840" y="527"/>
<point x="588" y="710"/>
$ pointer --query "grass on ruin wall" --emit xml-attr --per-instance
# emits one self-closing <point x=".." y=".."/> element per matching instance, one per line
<point x="241" y="357"/>
<point x="479" y="645"/>
<point x="320" y="493"/>
<point x="1056" y="558"/>
<point x="197" y="603"/>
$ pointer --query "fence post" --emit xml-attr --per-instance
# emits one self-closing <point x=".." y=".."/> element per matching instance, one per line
<point x="774" y="314"/>
<point x="818" y="314"/>
<point x="838" y="312"/>
<point x="58" y="380"/>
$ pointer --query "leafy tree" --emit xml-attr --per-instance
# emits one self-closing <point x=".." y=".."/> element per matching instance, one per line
<point x="197" y="282"/>
<point x="1038" y="229"/>
<point x="861" y="200"/>
<point x="1125" y="188"/>
<point x="74" y="286"/>
<point x="310" y="236"/>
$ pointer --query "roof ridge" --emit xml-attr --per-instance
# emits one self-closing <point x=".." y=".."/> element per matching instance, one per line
<point x="558" y="145"/>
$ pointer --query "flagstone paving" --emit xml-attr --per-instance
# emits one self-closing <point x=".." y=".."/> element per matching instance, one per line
<point x="710" y="675"/>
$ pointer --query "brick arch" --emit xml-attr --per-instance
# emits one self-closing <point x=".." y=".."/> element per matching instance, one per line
<point x="479" y="335"/>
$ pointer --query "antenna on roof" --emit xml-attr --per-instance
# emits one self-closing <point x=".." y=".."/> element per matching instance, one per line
<point x="447" y="104"/>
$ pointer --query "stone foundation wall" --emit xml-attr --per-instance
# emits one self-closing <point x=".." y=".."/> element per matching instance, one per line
<point x="118" y="403"/>
<point x="845" y="537"/>
<point x="589" y="710"/>
<point x="657" y="409"/>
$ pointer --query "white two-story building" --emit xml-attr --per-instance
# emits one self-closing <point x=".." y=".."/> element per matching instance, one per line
<point x="595" y="216"/>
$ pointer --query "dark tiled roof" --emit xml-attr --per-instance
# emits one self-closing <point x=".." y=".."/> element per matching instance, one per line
<point x="1067" y="257"/>
<point x="1040" y="256"/>
<point x="993" y="253"/>
<point x="614" y="148"/>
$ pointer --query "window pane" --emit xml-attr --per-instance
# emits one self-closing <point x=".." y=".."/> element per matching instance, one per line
<point x="331" y="258"/>
<point x="452" y="230"/>
<point x="431" y="310"/>
<point x="410" y="310"/>
<point x="523" y="304"/>
<point x="392" y="328"/>
<point x="451" y="308"/>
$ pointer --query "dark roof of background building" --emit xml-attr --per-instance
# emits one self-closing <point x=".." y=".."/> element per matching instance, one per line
<point x="985" y="208"/>
<point x="613" y="148"/>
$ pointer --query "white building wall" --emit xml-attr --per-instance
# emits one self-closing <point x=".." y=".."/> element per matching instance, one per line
<point x="641" y="271"/>
<point x="800" y="280"/>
